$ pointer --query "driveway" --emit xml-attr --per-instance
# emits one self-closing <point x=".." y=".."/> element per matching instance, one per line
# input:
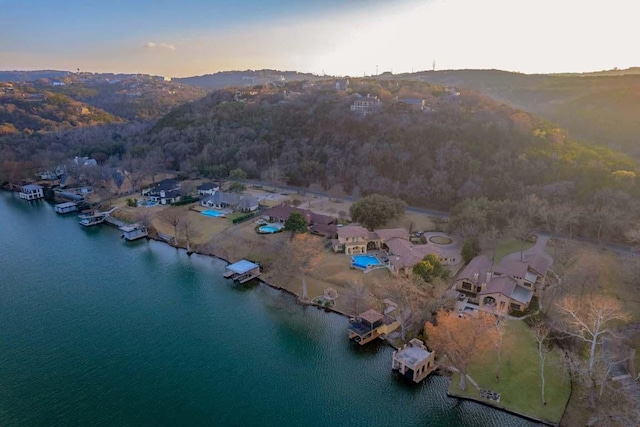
<point x="538" y="249"/>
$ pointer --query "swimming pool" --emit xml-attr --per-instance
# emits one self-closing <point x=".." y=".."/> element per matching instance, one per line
<point x="364" y="261"/>
<point x="211" y="212"/>
<point x="268" y="229"/>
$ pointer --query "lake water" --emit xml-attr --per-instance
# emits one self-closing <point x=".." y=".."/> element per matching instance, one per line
<point x="96" y="330"/>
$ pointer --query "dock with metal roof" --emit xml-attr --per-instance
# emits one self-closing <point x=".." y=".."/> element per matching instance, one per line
<point x="242" y="271"/>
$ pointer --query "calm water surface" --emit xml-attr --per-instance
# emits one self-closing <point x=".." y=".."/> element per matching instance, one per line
<point x="95" y="330"/>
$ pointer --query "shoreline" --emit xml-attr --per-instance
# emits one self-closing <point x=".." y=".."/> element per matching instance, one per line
<point x="385" y="341"/>
<point x="501" y="408"/>
<point x="340" y="313"/>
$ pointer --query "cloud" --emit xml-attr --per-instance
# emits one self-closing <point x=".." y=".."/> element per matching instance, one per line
<point x="164" y="46"/>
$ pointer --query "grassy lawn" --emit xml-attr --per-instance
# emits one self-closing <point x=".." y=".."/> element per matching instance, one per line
<point x="509" y="246"/>
<point x="519" y="383"/>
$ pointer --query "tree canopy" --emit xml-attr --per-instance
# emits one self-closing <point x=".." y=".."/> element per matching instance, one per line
<point x="296" y="223"/>
<point x="376" y="210"/>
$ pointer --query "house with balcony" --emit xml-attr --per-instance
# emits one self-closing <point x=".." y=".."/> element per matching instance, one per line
<point x="371" y="325"/>
<point x="402" y="252"/>
<point x="509" y="286"/>
<point x="365" y="105"/>
<point x="164" y="192"/>
<point x="31" y="192"/>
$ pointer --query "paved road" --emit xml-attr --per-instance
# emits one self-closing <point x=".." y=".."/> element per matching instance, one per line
<point x="620" y="249"/>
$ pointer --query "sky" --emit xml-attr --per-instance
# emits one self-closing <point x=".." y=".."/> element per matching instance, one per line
<point x="179" y="38"/>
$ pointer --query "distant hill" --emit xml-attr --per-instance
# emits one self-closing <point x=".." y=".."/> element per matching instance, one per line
<point x="601" y="107"/>
<point x="245" y="78"/>
<point x="129" y="96"/>
<point x="24" y="109"/>
<point x="27" y="76"/>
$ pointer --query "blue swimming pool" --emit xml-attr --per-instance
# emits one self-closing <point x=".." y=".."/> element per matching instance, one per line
<point x="213" y="213"/>
<point x="268" y="229"/>
<point x="364" y="261"/>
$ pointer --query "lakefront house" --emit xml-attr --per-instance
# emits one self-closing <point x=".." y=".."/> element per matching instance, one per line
<point x="164" y="192"/>
<point x="231" y="201"/>
<point x="402" y="253"/>
<point x="509" y="286"/>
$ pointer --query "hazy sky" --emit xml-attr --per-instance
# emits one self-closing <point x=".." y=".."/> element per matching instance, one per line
<point x="341" y="37"/>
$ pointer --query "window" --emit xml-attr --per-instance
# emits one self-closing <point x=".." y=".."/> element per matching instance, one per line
<point x="515" y="307"/>
<point x="466" y="286"/>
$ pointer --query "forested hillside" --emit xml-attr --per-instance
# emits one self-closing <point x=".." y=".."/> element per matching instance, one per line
<point x="85" y="98"/>
<point x="599" y="107"/>
<point x="430" y="146"/>
<point x="460" y="146"/>
<point x="25" y="109"/>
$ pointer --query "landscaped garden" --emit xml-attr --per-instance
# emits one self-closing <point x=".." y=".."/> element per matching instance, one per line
<point x="519" y="382"/>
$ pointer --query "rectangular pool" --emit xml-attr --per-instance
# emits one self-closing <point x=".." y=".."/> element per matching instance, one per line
<point x="364" y="261"/>
<point x="213" y="213"/>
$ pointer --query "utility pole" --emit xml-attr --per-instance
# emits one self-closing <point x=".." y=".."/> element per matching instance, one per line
<point x="434" y="65"/>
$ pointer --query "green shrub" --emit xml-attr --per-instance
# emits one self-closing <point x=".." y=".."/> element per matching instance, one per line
<point x="243" y="218"/>
<point x="185" y="201"/>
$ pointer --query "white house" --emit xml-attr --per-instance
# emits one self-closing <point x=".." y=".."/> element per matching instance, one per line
<point x="31" y="192"/>
<point x="208" y="189"/>
<point x="164" y="192"/>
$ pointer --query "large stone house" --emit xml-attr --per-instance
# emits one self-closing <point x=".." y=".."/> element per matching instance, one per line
<point x="510" y="285"/>
<point x="403" y="254"/>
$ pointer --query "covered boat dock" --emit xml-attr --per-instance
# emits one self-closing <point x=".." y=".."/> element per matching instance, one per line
<point x="242" y="271"/>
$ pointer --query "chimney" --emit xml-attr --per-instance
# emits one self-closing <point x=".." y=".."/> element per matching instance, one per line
<point x="475" y="277"/>
<point x="488" y="276"/>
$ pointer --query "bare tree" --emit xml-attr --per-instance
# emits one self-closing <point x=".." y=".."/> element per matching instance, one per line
<point x="355" y="298"/>
<point x="407" y="295"/>
<point x="589" y="319"/>
<point x="307" y="252"/>
<point x="499" y="325"/>
<point x="540" y="333"/>
<point x="173" y="216"/>
<point x="186" y="225"/>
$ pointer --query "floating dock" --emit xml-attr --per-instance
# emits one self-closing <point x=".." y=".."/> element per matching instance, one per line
<point x="242" y="271"/>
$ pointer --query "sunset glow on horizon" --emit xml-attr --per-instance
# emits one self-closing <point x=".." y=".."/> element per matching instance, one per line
<point x="337" y="38"/>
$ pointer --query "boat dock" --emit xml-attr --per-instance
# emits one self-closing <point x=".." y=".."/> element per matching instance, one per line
<point x="67" y="207"/>
<point x="91" y="219"/>
<point x="133" y="232"/>
<point x="242" y="271"/>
